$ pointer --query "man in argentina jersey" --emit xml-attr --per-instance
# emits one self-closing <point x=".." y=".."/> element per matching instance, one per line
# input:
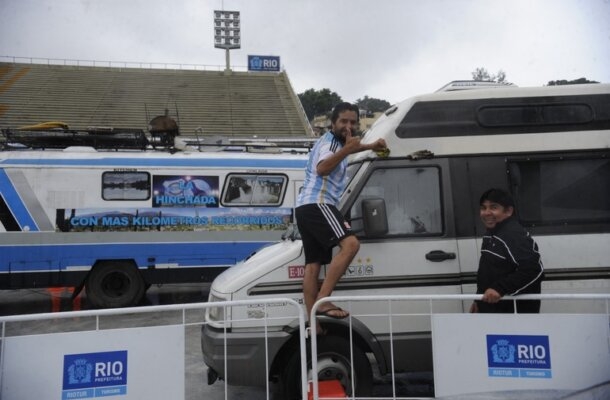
<point x="510" y="263"/>
<point x="320" y="223"/>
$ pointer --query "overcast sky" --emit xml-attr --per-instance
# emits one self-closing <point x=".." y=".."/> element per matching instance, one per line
<point x="387" y="49"/>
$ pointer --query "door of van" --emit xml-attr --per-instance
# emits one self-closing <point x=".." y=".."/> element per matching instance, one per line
<point x="413" y="250"/>
<point x="402" y="212"/>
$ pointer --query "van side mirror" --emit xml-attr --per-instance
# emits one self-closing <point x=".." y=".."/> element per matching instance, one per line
<point x="374" y="217"/>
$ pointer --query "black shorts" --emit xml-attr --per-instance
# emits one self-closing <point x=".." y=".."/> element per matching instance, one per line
<point x="321" y="227"/>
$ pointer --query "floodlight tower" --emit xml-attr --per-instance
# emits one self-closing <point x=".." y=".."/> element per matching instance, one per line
<point x="227" y="32"/>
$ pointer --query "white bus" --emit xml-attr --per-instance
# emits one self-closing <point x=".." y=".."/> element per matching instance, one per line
<point x="116" y="222"/>
<point x="416" y="215"/>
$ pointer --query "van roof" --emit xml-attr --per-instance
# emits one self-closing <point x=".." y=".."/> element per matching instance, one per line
<point x="511" y="119"/>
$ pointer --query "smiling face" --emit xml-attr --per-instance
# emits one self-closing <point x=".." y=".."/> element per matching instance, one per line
<point x="494" y="213"/>
<point x="346" y="121"/>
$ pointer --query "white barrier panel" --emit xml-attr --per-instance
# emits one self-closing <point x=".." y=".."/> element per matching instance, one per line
<point x="484" y="356"/>
<point x="477" y="353"/>
<point x="120" y="364"/>
<point x="152" y="352"/>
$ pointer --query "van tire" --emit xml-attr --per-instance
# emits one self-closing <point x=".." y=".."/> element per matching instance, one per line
<point x="334" y="359"/>
<point x="114" y="284"/>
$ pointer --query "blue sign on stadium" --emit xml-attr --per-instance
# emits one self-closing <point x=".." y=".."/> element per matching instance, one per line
<point x="264" y="63"/>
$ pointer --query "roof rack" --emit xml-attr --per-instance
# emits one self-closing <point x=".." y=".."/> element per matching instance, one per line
<point x="59" y="139"/>
<point x="251" y="145"/>
<point x="107" y="138"/>
<point x="465" y="85"/>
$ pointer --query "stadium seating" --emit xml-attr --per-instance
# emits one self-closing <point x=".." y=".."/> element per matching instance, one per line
<point x="205" y="102"/>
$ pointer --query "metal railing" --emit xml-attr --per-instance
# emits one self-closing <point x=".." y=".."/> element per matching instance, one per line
<point x="110" y="319"/>
<point x="190" y="315"/>
<point x="118" y="64"/>
<point x="432" y="301"/>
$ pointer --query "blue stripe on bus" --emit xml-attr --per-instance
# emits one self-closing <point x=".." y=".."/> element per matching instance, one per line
<point x="30" y="258"/>
<point x="164" y="162"/>
<point x="15" y="204"/>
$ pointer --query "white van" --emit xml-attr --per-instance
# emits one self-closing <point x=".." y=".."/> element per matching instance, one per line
<point x="416" y="213"/>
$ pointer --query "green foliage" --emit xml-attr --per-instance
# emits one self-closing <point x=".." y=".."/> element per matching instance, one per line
<point x="481" y="74"/>
<point x="321" y="102"/>
<point x="318" y="102"/>
<point x="572" y="82"/>
<point x="372" y="105"/>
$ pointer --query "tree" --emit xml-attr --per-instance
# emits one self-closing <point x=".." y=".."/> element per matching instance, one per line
<point x="318" y="102"/>
<point x="481" y="74"/>
<point x="572" y="82"/>
<point x="373" y="105"/>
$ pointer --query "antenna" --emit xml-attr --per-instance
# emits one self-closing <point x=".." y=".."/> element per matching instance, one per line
<point x="147" y="118"/>
<point x="177" y="117"/>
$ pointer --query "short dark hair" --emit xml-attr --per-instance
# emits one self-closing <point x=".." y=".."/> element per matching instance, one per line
<point x="499" y="196"/>
<point x="345" y="106"/>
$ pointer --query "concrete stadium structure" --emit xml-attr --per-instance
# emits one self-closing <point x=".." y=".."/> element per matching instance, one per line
<point x="215" y="103"/>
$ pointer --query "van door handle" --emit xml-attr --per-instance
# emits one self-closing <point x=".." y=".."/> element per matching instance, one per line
<point x="439" y="255"/>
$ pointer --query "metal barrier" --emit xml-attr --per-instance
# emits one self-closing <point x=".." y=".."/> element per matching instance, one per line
<point x="421" y="313"/>
<point x="187" y="316"/>
<point x="395" y="316"/>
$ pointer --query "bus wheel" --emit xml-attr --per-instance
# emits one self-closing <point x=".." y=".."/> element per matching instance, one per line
<point x="333" y="363"/>
<point x="114" y="285"/>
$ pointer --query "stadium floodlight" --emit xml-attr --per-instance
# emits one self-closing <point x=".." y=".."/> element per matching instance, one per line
<point x="227" y="32"/>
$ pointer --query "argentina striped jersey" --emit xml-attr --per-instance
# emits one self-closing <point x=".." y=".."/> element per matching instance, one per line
<point x="323" y="189"/>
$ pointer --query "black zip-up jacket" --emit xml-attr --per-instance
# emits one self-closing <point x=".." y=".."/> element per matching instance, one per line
<point x="510" y="264"/>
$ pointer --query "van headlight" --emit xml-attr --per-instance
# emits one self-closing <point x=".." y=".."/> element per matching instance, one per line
<point x="216" y="314"/>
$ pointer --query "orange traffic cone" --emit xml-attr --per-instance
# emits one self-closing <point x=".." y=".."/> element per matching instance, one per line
<point x="56" y="294"/>
<point x="331" y="389"/>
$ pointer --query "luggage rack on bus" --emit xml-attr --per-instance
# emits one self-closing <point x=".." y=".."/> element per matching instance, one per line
<point x="62" y="138"/>
<point x="103" y="138"/>
<point x="294" y="145"/>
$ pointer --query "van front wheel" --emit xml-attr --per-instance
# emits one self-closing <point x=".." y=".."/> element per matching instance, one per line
<point x="333" y="364"/>
<point x="114" y="284"/>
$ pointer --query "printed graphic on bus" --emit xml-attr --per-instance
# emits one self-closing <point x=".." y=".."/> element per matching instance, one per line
<point x="173" y="219"/>
<point x="185" y="191"/>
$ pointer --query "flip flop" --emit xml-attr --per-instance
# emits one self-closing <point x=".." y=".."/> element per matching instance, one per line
<point x="327" y="313"/>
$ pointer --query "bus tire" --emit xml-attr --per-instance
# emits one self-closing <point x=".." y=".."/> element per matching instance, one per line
<point x="114" y="284"/>
<point x="333" y="363"/>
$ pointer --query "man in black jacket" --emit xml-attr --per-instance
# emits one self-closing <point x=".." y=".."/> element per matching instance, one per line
<point x="510" y="263"/>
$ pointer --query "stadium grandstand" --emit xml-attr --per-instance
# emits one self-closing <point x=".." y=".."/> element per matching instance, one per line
<point x="221" y="103"/>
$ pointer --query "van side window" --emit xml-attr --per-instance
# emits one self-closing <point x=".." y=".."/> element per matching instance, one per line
<point x="125" y="185"/>
<point x="412" y="200"/>
<point x="505" y="115"/>
<point x="535" y="115"/>
<point x="254" y="190"/>
<point x="561" y="191"/>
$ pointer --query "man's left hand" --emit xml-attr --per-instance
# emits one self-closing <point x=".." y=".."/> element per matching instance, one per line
<point x="491" y="296"/>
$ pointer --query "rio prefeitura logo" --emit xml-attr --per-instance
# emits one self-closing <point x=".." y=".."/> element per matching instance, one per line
<point x="518" y="356"/>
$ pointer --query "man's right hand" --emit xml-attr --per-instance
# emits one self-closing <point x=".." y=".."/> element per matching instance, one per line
<point x="352" y="143"/>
